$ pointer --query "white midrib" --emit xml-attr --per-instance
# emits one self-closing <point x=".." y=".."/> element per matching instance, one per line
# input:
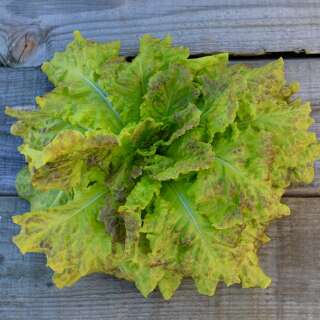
<point x="103" y="96"/>
<point x="56" y="199"/>
<point x="85" y="206"/>
<point x="192" y="217"/>
<point x="190" y="214"/>
<point x="229" y="165"/>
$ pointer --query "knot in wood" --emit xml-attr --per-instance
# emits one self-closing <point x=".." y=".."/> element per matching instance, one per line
<point x="22" y="45"/>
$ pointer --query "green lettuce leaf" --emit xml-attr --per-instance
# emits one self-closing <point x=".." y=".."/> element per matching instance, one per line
<point x="61" y="163"/>
<point x="129" y="82"/>
<point x="182" y="238"/>
<point x="74" y="242"/>
<point x="169" y="101"/>
<point x="39" y="200"/>
<point x="78" y="71"/>
<point x="183" y="156"/>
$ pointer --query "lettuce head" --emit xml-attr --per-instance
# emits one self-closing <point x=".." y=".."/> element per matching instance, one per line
<point x="161" y="168"/>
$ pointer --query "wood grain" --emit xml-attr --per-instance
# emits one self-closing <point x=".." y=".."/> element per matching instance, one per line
<point x="31" y="31"/>
<point x="19" y="86"/>
<point x="292" y="259"/>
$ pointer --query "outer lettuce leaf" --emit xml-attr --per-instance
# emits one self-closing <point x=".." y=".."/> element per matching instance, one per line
<point x="82" y="58"/>
<point x="74" y="242"/>
<point x="160" y="168"/>
<point x="78" y="70"/>
<point x="61" y="163"/>
<point x="39" y="200"/>
<point x="181" y="238"/>
<point x="223" y="93"/>
<point x="76" y="74"/>
<point x="37" y="128"/>
<point x="202" y="65"/>
<point x="286" y="120"/>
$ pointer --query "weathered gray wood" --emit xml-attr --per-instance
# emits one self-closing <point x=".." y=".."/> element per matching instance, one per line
<point x="19" y="87"/>
<point x="292" y="259"/>
<point x="31" y="31"/>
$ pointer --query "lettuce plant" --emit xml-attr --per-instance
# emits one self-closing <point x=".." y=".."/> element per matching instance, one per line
<point x="160" y="168"/>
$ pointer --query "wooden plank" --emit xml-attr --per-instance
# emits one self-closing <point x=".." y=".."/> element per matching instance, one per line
<point x="31" y="31"/>
<point x="292" y="259"/>
<point x="19" y="87"/>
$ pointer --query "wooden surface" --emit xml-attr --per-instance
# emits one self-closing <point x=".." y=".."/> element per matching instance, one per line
<point x="31" y="31"/>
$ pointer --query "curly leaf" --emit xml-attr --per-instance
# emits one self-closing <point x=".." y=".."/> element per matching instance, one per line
<point x="181" y="238"/>
<point x="183" y="156"/>
<point x="128" y="82"/>
<point x="61" y="163"/>
<point x="74" y="242"/>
